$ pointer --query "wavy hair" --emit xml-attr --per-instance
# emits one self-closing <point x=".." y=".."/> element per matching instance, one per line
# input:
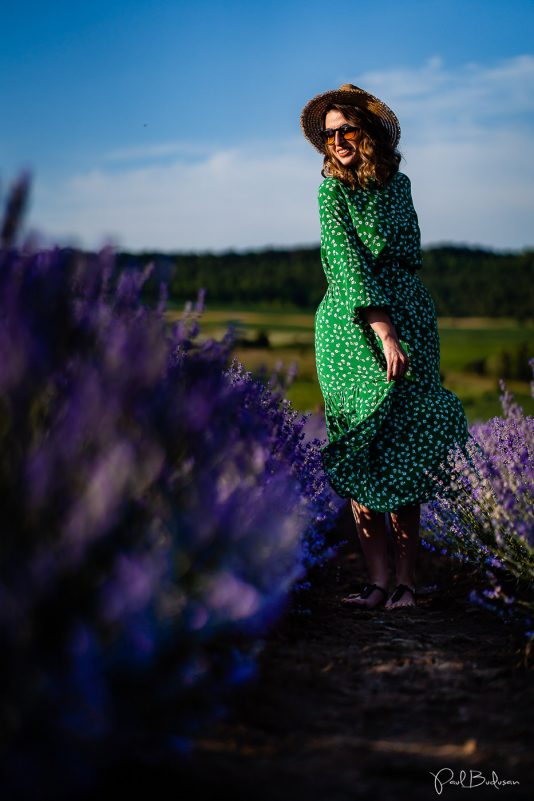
<point x="378" y="160"/>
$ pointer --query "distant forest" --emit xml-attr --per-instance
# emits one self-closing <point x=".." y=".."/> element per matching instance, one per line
<point x="463" y="281"/>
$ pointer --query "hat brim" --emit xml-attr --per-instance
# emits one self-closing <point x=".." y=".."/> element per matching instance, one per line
<point x="312" y="116"/>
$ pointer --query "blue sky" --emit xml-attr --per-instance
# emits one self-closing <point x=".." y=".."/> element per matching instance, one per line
<point x="175" y="126"/>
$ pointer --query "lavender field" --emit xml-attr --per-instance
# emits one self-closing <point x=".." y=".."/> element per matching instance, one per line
<point x="170" y="547"/>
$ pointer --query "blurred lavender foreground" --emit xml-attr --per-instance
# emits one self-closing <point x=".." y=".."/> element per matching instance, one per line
<point x="158" y="508"/>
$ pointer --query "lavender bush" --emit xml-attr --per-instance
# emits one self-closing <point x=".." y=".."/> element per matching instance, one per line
<point x="158" y="507"/>
<point x="488" y="521"/>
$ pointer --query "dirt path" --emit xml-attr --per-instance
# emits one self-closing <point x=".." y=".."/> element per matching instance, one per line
<point x="353" y="704"/>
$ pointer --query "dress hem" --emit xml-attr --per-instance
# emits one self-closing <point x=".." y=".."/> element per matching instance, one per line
<point x="340" y="456"/>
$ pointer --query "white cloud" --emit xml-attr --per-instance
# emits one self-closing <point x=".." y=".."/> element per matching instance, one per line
<point x="235" y="198"/>
<point x="467" y="141"/>
<point x="428" y="96"/>
<point x="467" y="137"/>
<point x="475" y="192"/>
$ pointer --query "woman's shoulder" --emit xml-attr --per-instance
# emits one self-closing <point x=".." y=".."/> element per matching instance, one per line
<point x="401" y="179"/>
<point x="331" y="193"/>
<point x="330" y="186"/>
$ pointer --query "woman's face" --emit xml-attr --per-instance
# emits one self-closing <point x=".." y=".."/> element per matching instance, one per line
<point x="346" y="151"/>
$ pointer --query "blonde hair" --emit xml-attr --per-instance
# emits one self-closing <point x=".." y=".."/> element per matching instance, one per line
<point x="378" y="161"/>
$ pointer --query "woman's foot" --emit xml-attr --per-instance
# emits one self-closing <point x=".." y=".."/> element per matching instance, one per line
<point x="369" y="596"/>
<point x="402" y="595"/>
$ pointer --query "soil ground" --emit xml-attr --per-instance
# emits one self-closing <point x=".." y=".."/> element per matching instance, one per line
<point x="367" y="704"/>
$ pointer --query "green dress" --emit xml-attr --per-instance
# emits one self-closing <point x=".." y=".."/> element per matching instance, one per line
<point x="385" y="439"/>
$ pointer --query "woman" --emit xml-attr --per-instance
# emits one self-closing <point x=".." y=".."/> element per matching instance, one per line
<point x="390" y="422"/>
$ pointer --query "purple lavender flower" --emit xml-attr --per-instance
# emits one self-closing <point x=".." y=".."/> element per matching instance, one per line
<point x="159" y="506"/>
<point x="490" y="520"/>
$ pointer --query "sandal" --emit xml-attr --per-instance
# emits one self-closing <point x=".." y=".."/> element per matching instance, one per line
<point x="397" y="594"/>
<point x="364" y="593"/>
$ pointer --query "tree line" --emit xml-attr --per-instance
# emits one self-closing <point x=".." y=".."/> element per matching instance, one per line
<point x="463" y="281"/>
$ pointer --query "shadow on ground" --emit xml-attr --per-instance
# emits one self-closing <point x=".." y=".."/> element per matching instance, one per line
<point x="355" y="704"/>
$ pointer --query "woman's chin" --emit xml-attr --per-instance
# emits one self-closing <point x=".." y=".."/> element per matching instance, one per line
<point x="347" y="161"/>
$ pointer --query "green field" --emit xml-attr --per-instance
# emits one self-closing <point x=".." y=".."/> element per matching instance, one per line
<point x="474" y="353"/>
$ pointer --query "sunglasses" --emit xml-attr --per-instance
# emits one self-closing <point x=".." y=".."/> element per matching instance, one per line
<point x="346" y="131"/>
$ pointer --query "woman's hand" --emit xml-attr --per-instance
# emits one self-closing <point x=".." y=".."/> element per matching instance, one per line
<point x="396" y="359"/>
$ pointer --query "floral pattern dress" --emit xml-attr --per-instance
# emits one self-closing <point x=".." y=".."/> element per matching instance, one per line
<point x="385" y="439"/>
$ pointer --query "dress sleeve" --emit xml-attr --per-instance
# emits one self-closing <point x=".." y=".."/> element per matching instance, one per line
<point x="413" y="232"/>
<point x="348" y="263"/>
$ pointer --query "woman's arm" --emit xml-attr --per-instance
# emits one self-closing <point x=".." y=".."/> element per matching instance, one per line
<point x="396" y="359"/>
<point x="352" y="274"/>
<point x="349" y="264"/>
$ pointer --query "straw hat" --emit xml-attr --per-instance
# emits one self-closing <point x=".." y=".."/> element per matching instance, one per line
<point x="312" y="116"/>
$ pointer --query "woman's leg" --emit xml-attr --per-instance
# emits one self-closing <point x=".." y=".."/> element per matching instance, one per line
<point x="405" y="528"/>
<point x="371" y="527"/>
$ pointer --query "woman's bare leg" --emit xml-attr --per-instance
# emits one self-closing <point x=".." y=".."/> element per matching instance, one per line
<point x="371" y="527"/>
<point x="405" y="528"/>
